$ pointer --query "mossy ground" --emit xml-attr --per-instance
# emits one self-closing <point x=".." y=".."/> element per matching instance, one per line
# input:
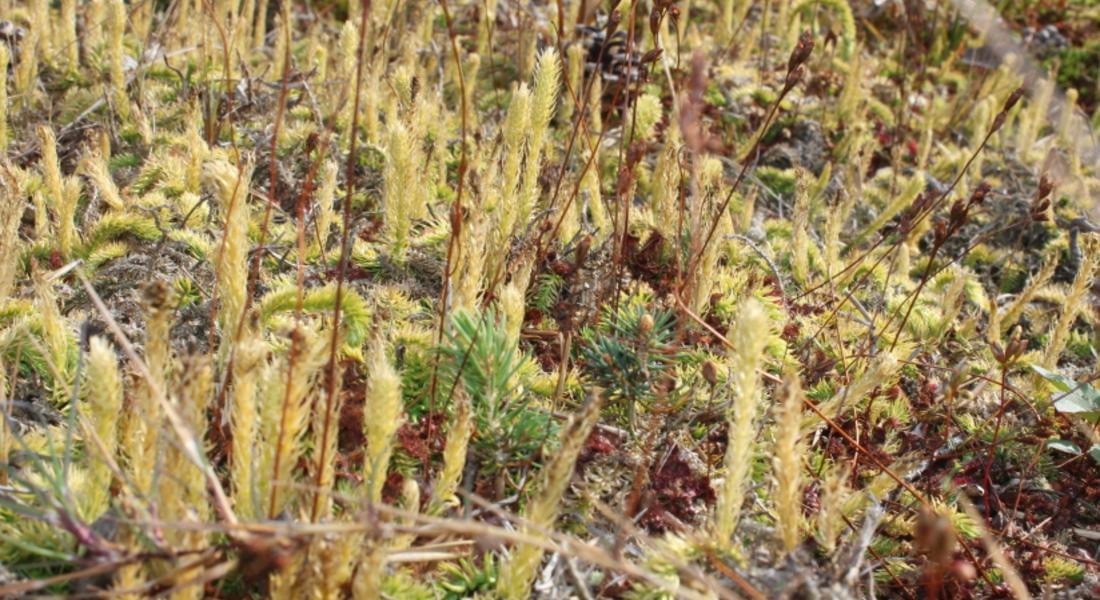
<point x="521" y="216"/>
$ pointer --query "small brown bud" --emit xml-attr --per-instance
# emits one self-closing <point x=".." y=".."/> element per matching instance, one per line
<point x="581" y="253"/>
<point x="998" y="351"/>
<point x="645" y="324"/>
<point x="1016" y="345"/>
<point x="1016" y="348"/>
<point x="651" y="56"/>
<point x="939" y="231"/>
<point x="980" y="193"/>
<point x="710" y="373"/>
<point x="1046" y="186"/>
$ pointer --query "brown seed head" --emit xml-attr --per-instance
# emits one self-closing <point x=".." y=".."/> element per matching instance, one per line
<point x="802" y="50"/>
<point x="1013" y="98"/>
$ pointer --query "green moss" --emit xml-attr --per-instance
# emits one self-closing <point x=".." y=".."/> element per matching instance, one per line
<point x="1060" y="570"/>
<point x="978" y="257"/>
<point x="1080" y="346"/>
<point x="116" y="226"/>
<point x="714" y="95"/>
<point x="779" y="181"/>
<point x="1012" y="279"/>
<point x="130" y="136"/>
<point x="354" y="314"/>
<point x="125" y="160"/>
<point x="1079" y="69"/>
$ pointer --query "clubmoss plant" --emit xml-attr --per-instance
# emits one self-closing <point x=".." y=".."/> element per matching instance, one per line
<point x="1009" y="316"/>
<point x="103" y="405"/>
<point x="41" y="23"/>
<point x="280" y="54"/>
<point x="409" y="501"/>
<point x="60" y="195"/>
<point x="259" y="26"/>
<point x="231" y="192"/>
<point x="141" y="21"/>
<point x="5" y="59"/>
<point x="355" y="314"/>
<point x="11" y="215"/>
<point x="512" y="307"/>
<point x="665" y="191"/>
<point x="248" y="359"/>
<point x="384" y="406"/>
<point x="469" y="260"/>
<point x="518" y="572"/>
<point x="195" y="389"/>
<point x="326" y="207"/>
<point x="732" y="17"/>
<point x="800" y="234"/>
<point x="880" y="372"/>
<point x="912" y="189"/>
<point x="750" y="336"/>
<point x="1032" y="119"/>
<point x="323" y="473"/>
<point x="57" y="344"/>
<point x="95" y="166"/>
<point x="787" y="462"/>
<point x="26" y="70"/>
<point x="544" y="100"/>
<point x="367" y="584"/>
<point x="835" y="496"/>
<point x="405" y="198"/>
<point x="1086" y="273"/>
<point x="116" y="27"/>
<point x="66" y="35"/>
<point x="284" y="415"/>
<point x="5" y="427"/>
<point x="513" y="131"/>
<point x="953" y="299"/>
<point x="518" y="210"/>
<point x="126" y="580"/>
<point x="159" y="305"/>
<point x="1065" y="121"/>
<point x="454" y="454"/>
